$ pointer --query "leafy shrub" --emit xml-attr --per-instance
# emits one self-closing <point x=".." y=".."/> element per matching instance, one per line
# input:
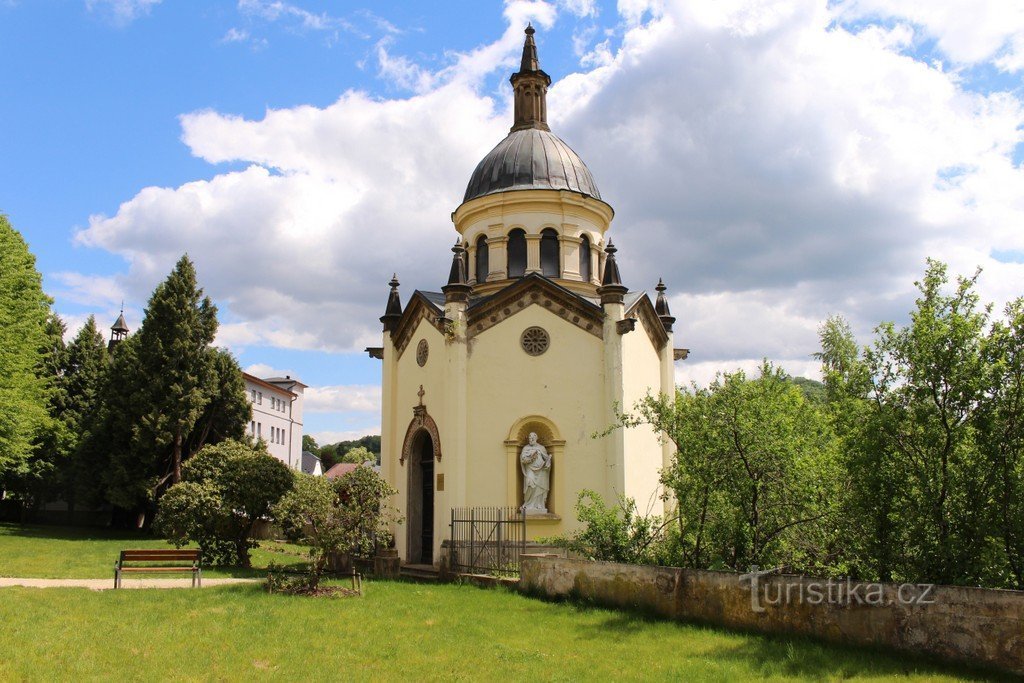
<point x="613" y="534"/>
<point x="348" y="515"/>
<point x="225" y="490"/>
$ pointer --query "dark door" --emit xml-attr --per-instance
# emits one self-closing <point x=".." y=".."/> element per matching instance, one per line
<point x="427" y="471"/>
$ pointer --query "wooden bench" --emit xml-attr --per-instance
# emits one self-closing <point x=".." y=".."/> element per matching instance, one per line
<point x="163" y="556"/>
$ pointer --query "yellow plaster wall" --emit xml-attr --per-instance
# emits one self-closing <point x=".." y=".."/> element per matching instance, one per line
<point x="407" y="378"/>
<point x="643" y="456"/>
<point x="564" y="385"/>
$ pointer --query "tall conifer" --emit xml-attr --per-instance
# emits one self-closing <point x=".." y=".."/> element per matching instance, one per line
<point x="172" y="351"/>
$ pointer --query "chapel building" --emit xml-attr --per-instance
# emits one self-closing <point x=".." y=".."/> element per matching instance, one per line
<point x="533" y="334"/>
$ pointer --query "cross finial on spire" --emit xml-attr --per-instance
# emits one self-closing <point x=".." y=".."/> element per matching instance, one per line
<point x="530" y="85"/>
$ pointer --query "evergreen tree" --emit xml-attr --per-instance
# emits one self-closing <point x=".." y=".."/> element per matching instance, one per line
<point x="24" y="310"/>
<point x="166" y="393"/>
<point x="172" y="352"/>
<point x="228" y="410"/>
<point x="79" y="380"/>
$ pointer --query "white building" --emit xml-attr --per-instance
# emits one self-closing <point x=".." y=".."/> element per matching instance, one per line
<point x="277" y="416"/>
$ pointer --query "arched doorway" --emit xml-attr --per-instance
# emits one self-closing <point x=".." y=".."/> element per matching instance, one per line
<point x="420" y="513"/>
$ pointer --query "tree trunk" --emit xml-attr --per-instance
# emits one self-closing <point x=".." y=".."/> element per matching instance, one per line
<point x="177" y="458"/>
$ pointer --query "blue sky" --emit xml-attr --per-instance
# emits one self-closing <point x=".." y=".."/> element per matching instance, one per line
<point x="776" y="162"/>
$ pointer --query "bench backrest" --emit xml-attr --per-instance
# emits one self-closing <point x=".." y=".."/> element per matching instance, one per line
<point x="160" y="555"/>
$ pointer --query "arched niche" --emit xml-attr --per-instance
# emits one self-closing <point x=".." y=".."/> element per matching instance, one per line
<point x="550" y="437"/>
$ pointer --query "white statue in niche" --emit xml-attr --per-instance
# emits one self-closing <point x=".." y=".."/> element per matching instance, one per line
<point x="536" y="465"/>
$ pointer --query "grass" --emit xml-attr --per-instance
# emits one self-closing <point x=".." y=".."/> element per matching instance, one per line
<point x="395" y="631"/>
<point x="47" y="552"/>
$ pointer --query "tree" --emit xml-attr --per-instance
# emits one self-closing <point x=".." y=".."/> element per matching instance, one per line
<point x="172" y="350"/>
<point x="930" y="416"/>
<point x="227" y="411"/>
<point x="928" y="381"/>
<point x="868" y="499"/>
<point x="1002" y="430"/>
<point x="332" y="454"/>
<point x="24" y="311"/>
<point x="225" y="489"/>
<point x="166" y="395"/>
<point x="310" y="444"/>
<point x="754" y="472"/>
<point x="358" y="456"/>
<point x="347" y="515"/>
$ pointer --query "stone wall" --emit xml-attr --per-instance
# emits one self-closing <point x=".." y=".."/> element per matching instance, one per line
<point x="973" y="625"/>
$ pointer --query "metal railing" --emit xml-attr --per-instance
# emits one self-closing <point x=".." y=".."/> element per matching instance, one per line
<point x="487" y="540"/>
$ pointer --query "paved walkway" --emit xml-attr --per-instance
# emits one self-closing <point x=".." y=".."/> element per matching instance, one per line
<point x="108" y="584"/>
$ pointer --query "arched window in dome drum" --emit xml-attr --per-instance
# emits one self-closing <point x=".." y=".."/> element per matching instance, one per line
<point x="549" y="261"/>
<point x="482" y="260"/>
<point x="516" y="253"/>
<point x="585" y="259"/>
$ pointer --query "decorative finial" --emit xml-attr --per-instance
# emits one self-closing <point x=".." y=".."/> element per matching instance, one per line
<point x="457" y="274"/>
<point x="529" y="28"/>
<point x="661" y="307"/>
<point x="457" y="290"/>
<point x="393" y="311"/>
<point x="611" y="290"/>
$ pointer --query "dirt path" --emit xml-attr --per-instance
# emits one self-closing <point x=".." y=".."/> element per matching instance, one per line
<point x="108" y="584"/>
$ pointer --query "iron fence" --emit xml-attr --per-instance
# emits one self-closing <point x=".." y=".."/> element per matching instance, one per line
<point x="487" y="540"/>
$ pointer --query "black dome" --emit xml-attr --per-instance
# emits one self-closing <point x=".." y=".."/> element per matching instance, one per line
<point x="531" y="159"/>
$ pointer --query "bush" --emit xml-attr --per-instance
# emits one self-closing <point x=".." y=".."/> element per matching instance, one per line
<point x="348" y="515"/>
<point x="613" y="534"/>
<point x="225" y="490"/>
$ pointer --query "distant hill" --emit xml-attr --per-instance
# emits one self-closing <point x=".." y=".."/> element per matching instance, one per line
<point x="814" y="390"/>
<point x="333" y="453"/>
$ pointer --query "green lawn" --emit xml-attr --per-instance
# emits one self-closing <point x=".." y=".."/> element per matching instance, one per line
<point x="49" y="552"/>
<point x="395" y="631"/>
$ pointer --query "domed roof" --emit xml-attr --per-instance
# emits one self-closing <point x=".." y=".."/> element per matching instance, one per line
<point x="531" y="159"/>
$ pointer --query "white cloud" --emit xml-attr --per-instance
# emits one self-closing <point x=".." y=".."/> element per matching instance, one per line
<point x="263" y="370"/>
<point x="772" y="165"/>
<point x="344" y="398"/>
<point x="967" y="31"/>
<point x="89" y="290"/>
<point x="121" y="12"/>
<point x="579" y="8"/>
<point x="235" y="35"/>
<point x="276" y="10"/>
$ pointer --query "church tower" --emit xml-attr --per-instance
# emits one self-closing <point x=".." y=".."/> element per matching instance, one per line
<point x="494" y="387"/>
<point x="118" y="331"/>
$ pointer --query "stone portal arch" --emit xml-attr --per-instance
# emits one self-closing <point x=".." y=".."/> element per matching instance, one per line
<point x="549" y="436"/>
<point x="422" y="450"/>
<point x="421" y="421"/>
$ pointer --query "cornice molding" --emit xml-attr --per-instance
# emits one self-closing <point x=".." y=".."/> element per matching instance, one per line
<point x="643" y="309"/>
<point x="535" y="290"/>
